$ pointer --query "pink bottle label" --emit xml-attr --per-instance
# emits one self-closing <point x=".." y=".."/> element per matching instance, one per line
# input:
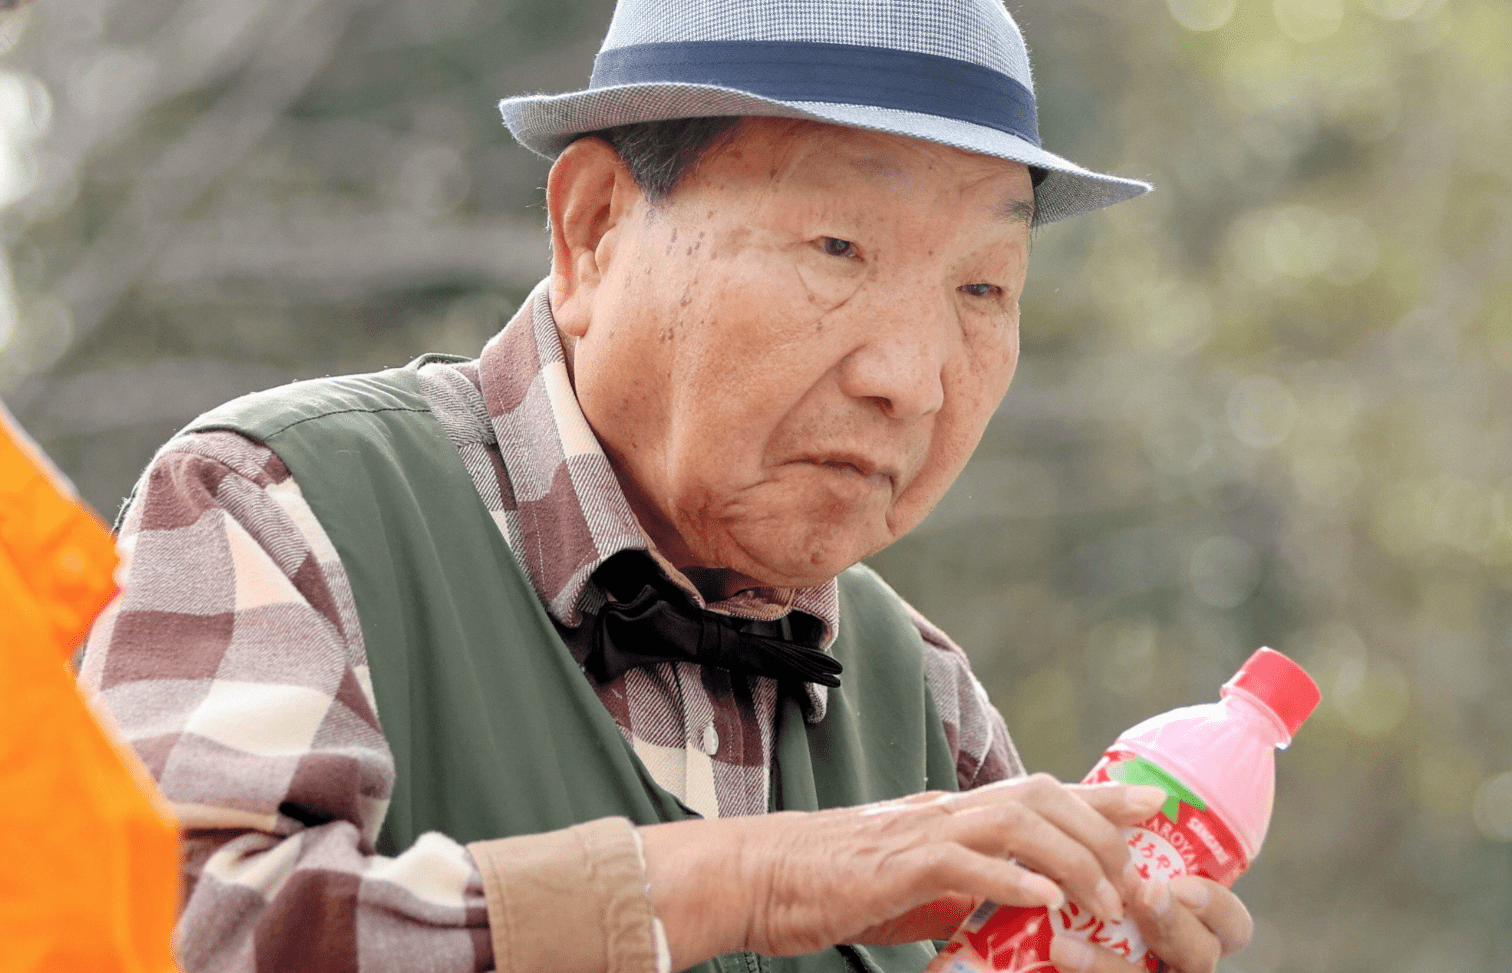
<point x="1184" y="837"/>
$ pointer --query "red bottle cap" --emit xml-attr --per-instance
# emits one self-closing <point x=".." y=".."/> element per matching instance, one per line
<point x="1280" y="684"/>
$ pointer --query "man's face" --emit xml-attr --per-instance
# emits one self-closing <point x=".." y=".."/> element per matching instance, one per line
<point x="791" y="358"/>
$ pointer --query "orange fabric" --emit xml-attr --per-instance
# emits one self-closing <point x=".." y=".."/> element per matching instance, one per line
<point x="90" y="850"/>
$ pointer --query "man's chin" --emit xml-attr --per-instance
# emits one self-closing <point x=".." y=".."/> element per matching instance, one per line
<point x="790" y="559"/>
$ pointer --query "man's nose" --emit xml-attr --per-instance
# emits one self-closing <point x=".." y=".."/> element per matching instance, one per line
<point x="901" y="360"/>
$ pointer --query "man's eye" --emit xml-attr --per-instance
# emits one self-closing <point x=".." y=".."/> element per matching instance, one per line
<point x="838" y="248"/>
<point x="979" y="290"/>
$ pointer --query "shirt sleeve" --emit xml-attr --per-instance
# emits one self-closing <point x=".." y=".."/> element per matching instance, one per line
<point x="984" y="751"/>
<point x="234" y="665"/>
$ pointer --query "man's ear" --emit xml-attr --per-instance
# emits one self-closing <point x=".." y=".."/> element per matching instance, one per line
<point x="588" y="195"/>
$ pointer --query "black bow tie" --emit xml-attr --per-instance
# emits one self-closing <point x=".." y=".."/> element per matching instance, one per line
<point x="649" y="619"/>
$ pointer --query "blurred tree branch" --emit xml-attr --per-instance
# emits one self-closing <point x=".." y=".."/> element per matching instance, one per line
<point x="280" y="70"/>
<point x="334" y="258"/>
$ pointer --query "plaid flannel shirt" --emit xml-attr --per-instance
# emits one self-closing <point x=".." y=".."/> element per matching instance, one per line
<point x="234" y="664"/>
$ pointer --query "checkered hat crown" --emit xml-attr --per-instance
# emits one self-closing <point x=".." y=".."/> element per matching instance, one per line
<point x="954" y="72"/>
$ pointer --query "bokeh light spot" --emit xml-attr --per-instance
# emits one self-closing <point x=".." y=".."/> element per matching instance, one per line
<point x="1394" y="9"/>
<point x="1492" y="809"/>
<point x="1326" y="479"/>
<point x="1047" y="702"/>
<point x="1224" y="571"/>
<point x="24" y="115"/>
<point x="1372" y="697"/>
<point x="1300" y="241"/>
<point x="1355" y="251"/>
<point x="7" y="313"/>
<point x="1309" y="21"/>
<point x="1261" y="411"/>
<point x="1447" y="775"/>
<point x="1124" y="653"/>
<point x="1202" y="14"/>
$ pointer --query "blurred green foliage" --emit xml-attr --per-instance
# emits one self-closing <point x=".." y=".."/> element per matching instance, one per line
<point x="1268" y="404"/>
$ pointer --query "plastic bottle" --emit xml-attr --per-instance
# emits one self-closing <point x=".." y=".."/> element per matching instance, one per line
<point x="1216" y="762"/>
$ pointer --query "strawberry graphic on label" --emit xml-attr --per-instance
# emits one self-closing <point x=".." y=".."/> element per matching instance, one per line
<point x="1142" y="771"/>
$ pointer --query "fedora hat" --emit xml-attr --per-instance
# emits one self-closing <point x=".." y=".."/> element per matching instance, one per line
<point x="954" y="72"/>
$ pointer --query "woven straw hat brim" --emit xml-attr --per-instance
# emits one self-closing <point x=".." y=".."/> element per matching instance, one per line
<point x="545" y="124"/>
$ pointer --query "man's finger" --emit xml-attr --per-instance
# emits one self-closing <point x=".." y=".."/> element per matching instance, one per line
<point x="1019" y="831"/>
<point x="1094" y="815"/>
<point x="1173" y="931"/>
<point x="948" y="868"/>
<point x="1124" y="805"/>
<point x="1217" y="908"/>
<point x="1091" y="815"/>
<point x="1072" y="955"/>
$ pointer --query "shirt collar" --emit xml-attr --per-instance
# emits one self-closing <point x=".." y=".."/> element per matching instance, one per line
<point x="568" y="513"/>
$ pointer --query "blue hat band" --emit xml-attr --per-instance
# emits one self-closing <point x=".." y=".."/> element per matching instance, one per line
<point x="833" y="73"/>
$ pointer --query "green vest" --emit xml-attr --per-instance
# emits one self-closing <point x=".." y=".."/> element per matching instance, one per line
<point x="494" y="729"/>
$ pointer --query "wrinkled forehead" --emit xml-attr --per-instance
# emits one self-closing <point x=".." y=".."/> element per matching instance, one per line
<point x="826" y="158"/>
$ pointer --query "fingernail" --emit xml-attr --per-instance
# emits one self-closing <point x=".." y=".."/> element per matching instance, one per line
<point x="1145" y="797"/>
<point x="1192" y="896"/>
<point x="1045" y="890"/>
<point x="1071" y="954"/>
<point x="1109" y="904"/>
<point x="1156" y="895"/>
<point x="1131" y="874"/>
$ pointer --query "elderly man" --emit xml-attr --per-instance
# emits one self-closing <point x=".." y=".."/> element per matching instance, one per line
<point x="504" y="662"/>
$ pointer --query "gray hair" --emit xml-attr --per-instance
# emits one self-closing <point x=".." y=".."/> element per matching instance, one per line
<point x="660" y="154"/>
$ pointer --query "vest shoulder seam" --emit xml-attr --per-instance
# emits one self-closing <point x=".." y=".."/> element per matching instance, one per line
<point x="303" y="419"/>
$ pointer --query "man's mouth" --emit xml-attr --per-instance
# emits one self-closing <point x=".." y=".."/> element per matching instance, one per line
<point x="859" y="468"/>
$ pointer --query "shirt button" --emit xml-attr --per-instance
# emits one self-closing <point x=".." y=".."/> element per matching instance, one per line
<point x="710" y="740"/>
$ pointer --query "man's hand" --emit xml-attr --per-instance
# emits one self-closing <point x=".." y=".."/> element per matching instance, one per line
<point x="794" y="882"/>
<point x="1189" y="922"/>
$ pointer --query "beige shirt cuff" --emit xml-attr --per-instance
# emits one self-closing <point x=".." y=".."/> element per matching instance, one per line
<point x="571" y="901"/>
